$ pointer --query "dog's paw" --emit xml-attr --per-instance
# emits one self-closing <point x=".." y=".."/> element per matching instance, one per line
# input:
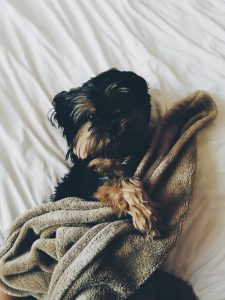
<point x="126" y="196"/>
<point x="144" y="214"/>
<point x="144" y="221"/>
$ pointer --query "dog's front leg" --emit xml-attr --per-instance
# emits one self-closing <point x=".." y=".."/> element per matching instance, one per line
<point x="127" y="196"/>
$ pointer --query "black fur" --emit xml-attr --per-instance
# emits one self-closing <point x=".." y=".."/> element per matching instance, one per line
<point x="80" y="182"/>
<point x="117" y="105"/>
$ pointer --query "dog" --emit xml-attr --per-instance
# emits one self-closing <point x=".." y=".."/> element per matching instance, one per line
<point x="106" y="125"/>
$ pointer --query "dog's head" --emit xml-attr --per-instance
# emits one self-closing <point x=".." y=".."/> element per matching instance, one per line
<point x="107" y="116"/>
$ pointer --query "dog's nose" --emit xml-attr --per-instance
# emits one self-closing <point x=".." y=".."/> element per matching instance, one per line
<point x="111" y="128"/>
<point x="106" y="125"/>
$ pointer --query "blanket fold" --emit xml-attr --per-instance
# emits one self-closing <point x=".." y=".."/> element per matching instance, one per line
<point x="77" y="249"/>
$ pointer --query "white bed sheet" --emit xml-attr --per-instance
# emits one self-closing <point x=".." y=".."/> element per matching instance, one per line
<point x="177" y="46"/>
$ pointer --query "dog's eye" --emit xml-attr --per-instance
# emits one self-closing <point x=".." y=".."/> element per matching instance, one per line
<point x="90" y="116"/>
<point x="117" y="112"/>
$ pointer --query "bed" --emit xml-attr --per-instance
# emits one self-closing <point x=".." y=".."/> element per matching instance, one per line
<point x="50" y="46"/>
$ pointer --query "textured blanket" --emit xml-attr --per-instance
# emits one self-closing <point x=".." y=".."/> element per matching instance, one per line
<point x="77" y="249"/>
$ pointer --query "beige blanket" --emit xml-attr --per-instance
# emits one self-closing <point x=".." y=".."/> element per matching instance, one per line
<point x="77" y="249"/>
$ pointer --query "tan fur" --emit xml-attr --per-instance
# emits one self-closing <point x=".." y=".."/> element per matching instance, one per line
<point x="126" y="196"/>
<point x="85" y="105"/>
<point x="101" y="164"/>
<point x="87" y="143"/>
<point x="82" y="141"/>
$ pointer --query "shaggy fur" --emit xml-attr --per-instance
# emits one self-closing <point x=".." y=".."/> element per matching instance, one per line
<point x="106" y="124"/>
<point x="77" y="249"/>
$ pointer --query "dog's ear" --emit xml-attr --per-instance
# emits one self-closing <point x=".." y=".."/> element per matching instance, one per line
<point x="63" y="104"/>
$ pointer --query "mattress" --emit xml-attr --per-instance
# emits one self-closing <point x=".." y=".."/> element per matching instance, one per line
<point x="177" y="46"/>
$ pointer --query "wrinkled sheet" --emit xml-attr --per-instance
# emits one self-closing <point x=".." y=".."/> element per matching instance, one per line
<point x="177" y="46"/>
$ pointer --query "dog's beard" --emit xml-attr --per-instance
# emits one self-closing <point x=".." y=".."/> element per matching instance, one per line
<point x="91" y="141"/>
<point x="88" y="143"/>
<point x="81" y="147"/>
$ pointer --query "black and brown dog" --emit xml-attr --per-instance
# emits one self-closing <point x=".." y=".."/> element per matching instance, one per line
<point x="106" y="124"/>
